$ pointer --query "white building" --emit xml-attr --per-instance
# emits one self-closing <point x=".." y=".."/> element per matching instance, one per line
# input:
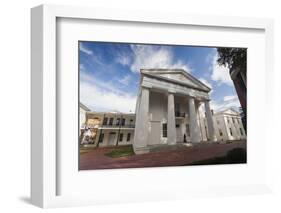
<point x="167" y="109"/>
<point x="167" y="113"/>
<point x="228" y="126"/>
<point x="82" y="116"/>
<point x="109" y="128"/>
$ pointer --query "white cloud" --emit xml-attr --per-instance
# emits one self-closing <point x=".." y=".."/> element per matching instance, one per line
<point x="125" y="80"/>
<point x="100" y="96"/>
<point x="229" y="101"/>
<point x="149" y="56"/>
<point x="84" y="49"/>
<point x="220" y="73"/>
<point x="229" y="97"/>
<point x="123" y="59"/>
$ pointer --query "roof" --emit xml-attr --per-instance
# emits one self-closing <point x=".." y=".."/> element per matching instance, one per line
<point x="178" y="76"/>
<point x="84" y="107"/>
<point x="229" y="111"/>
<point x="112" y="113"/>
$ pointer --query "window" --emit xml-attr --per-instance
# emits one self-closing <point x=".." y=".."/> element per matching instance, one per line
<point x="233" y="120"/>
<point x="118" y="121"/>
<point x="230" y="131"/>
<point x="128" y="136"/>
<point x="105" y="121"/>
<point x="110" y="121"/>
<point x="177" y="125"/>
<point x="241" y="131"/>
<point x="123" y="122"/>
<point x="121" y="137"/>
<point x="228" y="120"/>
<point x="164" y="130"/>
<point x="221" y="134"/>
<point x="101" y="138"/>
<point x="218" y="122"/>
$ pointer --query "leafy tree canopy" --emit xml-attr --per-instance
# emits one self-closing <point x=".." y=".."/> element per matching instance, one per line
<point x="232" y="57"/>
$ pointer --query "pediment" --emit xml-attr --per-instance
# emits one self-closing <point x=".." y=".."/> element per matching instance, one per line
<point x="178" y="76"/>
<point x="230" y="112"/>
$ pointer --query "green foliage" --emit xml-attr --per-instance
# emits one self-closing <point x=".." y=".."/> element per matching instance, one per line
<point x="236" y="155"/>
<point x="232" y="57"/>
<point x="121" y="152"/>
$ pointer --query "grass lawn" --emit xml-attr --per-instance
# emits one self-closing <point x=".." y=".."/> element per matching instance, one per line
<point x="121" y="152"/>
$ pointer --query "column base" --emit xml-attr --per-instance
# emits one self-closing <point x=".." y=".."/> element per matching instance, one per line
<point x="141" y="150"/>
<point x="214" y="139"/>
<point x="172" y="143"/>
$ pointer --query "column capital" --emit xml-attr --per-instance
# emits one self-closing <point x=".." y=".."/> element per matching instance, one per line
<point x="170" y="91"/>
<point x="146" y="87"/>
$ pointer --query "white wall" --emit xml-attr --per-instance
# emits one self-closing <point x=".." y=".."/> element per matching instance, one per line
<point x="15" y="96"/>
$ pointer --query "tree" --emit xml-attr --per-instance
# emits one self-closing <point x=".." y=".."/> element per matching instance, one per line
<point x="232" y="57"/>
<point x="236" y="60"/>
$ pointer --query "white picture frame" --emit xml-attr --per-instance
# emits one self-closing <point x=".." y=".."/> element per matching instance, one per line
<point x="44" y="149"/>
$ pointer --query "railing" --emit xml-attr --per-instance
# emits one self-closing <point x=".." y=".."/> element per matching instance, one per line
<point x="179" y="114"/>
<point x="117" y="126"/>
<point x="128" y="126"/>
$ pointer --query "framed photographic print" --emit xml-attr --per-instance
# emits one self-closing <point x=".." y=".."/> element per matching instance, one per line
<point x="149" y="106"/>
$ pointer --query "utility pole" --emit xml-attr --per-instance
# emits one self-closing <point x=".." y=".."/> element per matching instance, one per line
<point x="100" y="131"/>
<point x="119" y="129"/>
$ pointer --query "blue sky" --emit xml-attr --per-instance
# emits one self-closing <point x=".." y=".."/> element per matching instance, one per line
<point x="109" y="73"/>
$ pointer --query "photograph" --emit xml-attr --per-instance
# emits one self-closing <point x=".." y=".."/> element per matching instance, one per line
<point x="158" y="105"/>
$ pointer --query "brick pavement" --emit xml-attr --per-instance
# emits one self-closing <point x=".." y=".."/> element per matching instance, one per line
<point x="96" y="159"/>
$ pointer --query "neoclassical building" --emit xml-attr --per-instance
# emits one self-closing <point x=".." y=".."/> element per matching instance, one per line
<point x="167" y="109"/>
<point x="229" y="126"/>
<point x="167" y="113"/>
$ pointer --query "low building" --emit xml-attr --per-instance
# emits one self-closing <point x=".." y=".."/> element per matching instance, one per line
<point x="82" y="117"/>
<point x="109" y="128"/>
<point x="229" y="126"/>
<point x="114" y="129"/>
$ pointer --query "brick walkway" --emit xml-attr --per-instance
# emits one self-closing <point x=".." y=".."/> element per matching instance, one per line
<point x="96" y="159"/>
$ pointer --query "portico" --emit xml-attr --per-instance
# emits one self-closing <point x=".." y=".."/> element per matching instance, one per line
<point x="167" y="109"/>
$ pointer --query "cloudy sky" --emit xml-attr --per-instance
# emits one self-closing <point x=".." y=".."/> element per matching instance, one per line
<point x="109" y="73"/>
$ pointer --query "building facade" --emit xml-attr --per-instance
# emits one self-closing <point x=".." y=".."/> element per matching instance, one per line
<point x="167" y="109"/>
<point x="172" y="108"/>
<point x="229" y="126"/>
<point x="114" y="129"/>
<point x="82" y="117"/>
<point x="108" y="129"/>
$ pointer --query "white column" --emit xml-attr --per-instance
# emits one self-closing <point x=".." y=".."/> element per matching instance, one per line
<point x="210" y="122"/>
<point x="193" y="124"/>
<point x="141" y="127"/>
<point x="171" y="125"/>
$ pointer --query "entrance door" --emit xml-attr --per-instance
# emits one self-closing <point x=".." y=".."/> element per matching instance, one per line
<point x="155" y="133"/>
<point x="111" y="139"/>
<point x="179" y="132"/>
